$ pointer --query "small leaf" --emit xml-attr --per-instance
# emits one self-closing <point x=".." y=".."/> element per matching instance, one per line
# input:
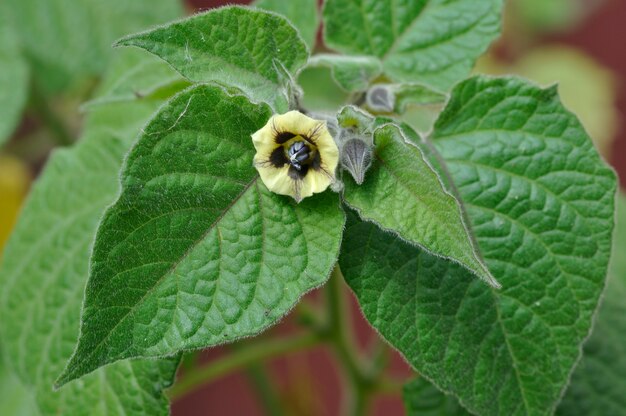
<point x="541" y="203"/>
<point x="13" y="77"/>
<point x="421" y="398"/>
<point x="67" y="40"/>
<point x="352" y="73"/>
<point x="256" y="51"/>
<point x="402" y="193"/>
<point x="599" y="381"/>
<point x="434" y="42"/>
<point x="197" y="252"/>
<point x="409" y="94"/>
<point x="302" y="14"/>
<point x="43" y="276"/>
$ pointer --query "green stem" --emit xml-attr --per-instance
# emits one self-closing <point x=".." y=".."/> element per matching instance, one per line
<point x="251" y="353"/>
<point x="265" y="390"/>
<point x="340" y="335"/>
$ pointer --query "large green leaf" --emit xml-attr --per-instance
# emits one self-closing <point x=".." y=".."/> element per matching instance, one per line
<point x="303" y="15"/>
<point x="13" y="77"/>
<point x="434" y="42"/>
<point x="421" y="398"/>
<point x="540" y="201"/>
<point x="256" y="51"/>
<point x="14" y="398"/>
<point x="403" y="194"/>
<point x="598" y="384"/>
<point x="67" y="39"/>
<point x="45" y="268"/>
<point x="196" y="251"/>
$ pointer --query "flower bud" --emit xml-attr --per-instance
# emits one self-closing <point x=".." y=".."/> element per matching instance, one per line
<point x="356" y="158"/>
<point x="380" y="98"/>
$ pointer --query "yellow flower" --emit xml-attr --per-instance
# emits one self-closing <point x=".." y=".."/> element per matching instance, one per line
<point x="295" y="155"/>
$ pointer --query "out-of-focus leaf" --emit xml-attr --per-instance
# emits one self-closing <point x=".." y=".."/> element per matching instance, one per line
<point x="13" y="77"/>
<point x="66" y="40"/>
<point x="137" y="74"/>
<point x="14" y="399"/>
<point x="44" y="270"/>
<point x="320" y="90"/>
<point x="551" y="15"/>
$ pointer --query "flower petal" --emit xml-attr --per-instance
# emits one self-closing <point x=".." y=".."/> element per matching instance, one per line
<point x="275" y="136"/>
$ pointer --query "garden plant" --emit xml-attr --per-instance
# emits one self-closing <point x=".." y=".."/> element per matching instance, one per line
<point x="206" y="196"/>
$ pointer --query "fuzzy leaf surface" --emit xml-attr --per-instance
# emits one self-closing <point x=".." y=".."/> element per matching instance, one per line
<point x="403" y="194"/>
<point x="434" y="42"/>
<point x="44" y="272"/>
<point x="541" y="203"/>
<point x="196" y="251"/>
<point x="254" y="50"/>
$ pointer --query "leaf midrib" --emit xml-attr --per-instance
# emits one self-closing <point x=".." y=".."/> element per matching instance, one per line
<point x="94" y="349"/>
<point x="433" y="212"/>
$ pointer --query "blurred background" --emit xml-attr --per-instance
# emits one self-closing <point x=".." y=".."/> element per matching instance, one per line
<point x="577" y="43"/>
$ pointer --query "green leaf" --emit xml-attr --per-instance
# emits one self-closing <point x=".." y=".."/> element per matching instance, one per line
<point x="44" y="272"/>
<point x="421" y="398"/>
<point x="256" y="51"/>
<point x="411" y="94"/>
<point x="403" y="194"/>
<point x="302" y="14"/>
<point x="319" y="90"/>
<point x="433" y="42"/>
<point x="540" y="201"/>
<point x="352" y="73"/>
<point x="66" y="40"/>
<point x="13" y="77"/>
<point x="597" y="384"/>
<point x="196" y="251"/>
<point x="599" y="381"/>
<point x="136" y="74"/>
<point x="14" y="398"/>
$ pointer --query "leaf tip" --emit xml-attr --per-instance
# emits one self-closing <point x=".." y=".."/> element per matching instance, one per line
<point x="487" y="277"/>
<point x="125" y="41"/>
<point x="71" y="372"/>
